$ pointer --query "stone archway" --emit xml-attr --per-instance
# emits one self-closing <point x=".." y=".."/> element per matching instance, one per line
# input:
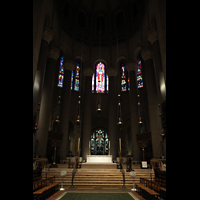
<point x="99" y="142"/>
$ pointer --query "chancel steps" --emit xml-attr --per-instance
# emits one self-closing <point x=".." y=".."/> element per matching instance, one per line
<point x="98" y="175"/>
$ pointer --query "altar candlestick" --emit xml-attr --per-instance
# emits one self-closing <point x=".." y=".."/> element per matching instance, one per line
<point x="120" y="144"/>
<point x="109" y="148"/>
<point x="89" y="149"/>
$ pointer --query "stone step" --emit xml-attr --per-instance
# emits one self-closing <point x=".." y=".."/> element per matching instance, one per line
<point x="97" y="175"/>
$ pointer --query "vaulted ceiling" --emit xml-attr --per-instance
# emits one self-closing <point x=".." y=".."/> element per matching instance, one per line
<point x="102" y="21"/>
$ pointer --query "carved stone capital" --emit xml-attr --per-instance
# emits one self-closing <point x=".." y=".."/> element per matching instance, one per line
<point x="47" y="34"/>
<point x="146" y="54"/>
<point x="69" y="65"/>
<point x="54" y="53"/>
<point x="152" y="36"/>
<point x="131" y="66"/>
<point x="88" y="72"/>
<point x="111" y="72"/>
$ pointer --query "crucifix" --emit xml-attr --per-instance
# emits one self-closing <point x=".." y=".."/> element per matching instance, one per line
<point x="99" y="136"/>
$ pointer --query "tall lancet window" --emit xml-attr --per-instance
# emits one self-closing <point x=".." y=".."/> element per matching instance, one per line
<point x="72" y="80"/>
<point x="139" y="74"/>
<point x="93" y="83"/>
<point x="125" y="84"/>
<point x="123" y="77"/>
<point x="61" y="73"/>
<point x="107" y="83"/>
<point x="100" y="80"/>
<point x="75" y="77"/>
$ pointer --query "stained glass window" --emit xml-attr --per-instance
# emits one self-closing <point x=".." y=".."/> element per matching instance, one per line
<point x="139" y="74"/>
<point x="93" y="83"/>
<point x="61" y="73"/>
<point x="107" y="83"/>
<point x="99" y="142"/>
<point x="100" y="80"/>
<point x="123" y="77"/>
<point x="72" y="79"/>
<point x="128" y="81"/>
<point x="77" y="77"/>
<point x="100" y="77"/>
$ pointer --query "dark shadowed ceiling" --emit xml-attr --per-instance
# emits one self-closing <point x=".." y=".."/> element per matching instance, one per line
<point x="105" y="21"/>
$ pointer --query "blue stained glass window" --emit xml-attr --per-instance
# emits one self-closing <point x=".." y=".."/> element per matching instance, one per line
<point x="128" y="81"/>
<point x="123" y="77"/>
<point x="139" y="74"/>
<point x="72" y="79"/>
<point x="77" y="77"/>
<point x="61" y="73"/>
<point x="93" y="83"/>
<point x="107" y="83"/>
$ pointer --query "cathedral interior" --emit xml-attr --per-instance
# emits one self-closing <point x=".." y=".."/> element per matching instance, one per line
<point x="99" y="78"/>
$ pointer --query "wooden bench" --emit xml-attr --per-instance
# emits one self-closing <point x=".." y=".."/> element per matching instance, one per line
<point x="45" y="192"/>
<point x="146" y="192"/>
<point x="155" y="186"/>
<point x="36" y="178"/>
<point x="162" y="182"/>
<point x="144" y="189"/>
<point x="43" y="182"/>
<point x="39" y="184"/>
<point x="42" y="189"/>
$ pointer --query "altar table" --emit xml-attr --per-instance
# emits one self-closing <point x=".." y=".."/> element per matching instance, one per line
<point x="105" y="159"/>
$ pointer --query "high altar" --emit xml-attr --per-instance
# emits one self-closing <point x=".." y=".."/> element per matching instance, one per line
<point x="99" y="159"/>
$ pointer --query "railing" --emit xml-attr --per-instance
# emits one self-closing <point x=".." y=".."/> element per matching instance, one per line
<point x="123" y="174"/>
<point x="76" y="165"/>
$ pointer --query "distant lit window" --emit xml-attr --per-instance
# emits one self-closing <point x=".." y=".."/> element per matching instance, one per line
<point x="100" y="77"/>
<point x="75" y="77"/>
<point x="61" y="73"/>
<point x="100" y="80"/>
<point x="139" y="74"/>
<point x="123" y="77"/>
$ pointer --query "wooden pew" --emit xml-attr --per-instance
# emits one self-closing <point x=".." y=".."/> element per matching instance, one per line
<point x="155" y="185"/>
<point x="44" y="188"/>
<point x="162" y="182"/>
<point x="42" y="182"/>
<point x="145" y="191"/>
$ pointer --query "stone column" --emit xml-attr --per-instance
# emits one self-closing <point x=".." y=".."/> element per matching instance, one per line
<point x="46" y="102"/>
<point x="112" y="112"/>
<point x="87" y="112"/>
<point x="132" y="69"/>
<point x="65" y="105"/>
<point x="155" y="124"/>
<point x="160" y="82"/>
<point x="39" y="77"/>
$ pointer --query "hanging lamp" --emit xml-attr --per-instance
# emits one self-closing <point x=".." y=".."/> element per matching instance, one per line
<point x="139" y="111"/>
<point x="119" y="114"/>
<point x="78" y="119"/>
<point x="99" y="110"/>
